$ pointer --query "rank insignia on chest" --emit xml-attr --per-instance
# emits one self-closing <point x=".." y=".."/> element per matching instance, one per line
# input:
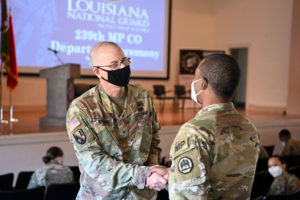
<point x="79" y="136"/>
<point x="185" y="165"/>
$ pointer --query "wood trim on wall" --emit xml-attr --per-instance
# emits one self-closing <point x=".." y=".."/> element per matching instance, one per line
<point x="265" y="109"/>
<point x="27" y="108"/>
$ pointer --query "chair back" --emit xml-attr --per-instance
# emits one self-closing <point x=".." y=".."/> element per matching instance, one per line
<point x="180" y="90"/>
<point x="262" y="164"/>
<point x="62" y="191"/>
<point x="32" y="194"/>
<point x="294" y="170"/>
<point x="76" y="173"/>
<point x="159" y="90"/>
<point x="295" y="196"/>
<point x="6" y="181"/>
<point x="269" y="149"/>
<point x="292" y="160"/>
<point x="261" y="184"/>
<point x="23" y="180"/>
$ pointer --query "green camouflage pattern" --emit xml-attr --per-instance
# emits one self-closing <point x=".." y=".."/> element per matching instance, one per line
<point x="285" y="184"/>
<point x="214" y="156"/>
<point x="113" y="146"/>
<point x="50" y="173"/>
<point x="292" y="147"/>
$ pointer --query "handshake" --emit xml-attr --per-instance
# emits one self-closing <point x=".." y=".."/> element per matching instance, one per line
<point x="157" y="177"/>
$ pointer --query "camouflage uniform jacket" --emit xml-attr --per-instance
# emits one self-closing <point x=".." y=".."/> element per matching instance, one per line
<point x="292" y="147"/>
<point x="285" y="184"/>
<point x="50" y="173"/>
<point x="214" y="156"/>
<point x="114" y="146"/>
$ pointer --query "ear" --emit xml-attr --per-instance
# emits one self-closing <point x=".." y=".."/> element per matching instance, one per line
<point x="58" y="160"/>
<point x="96" y="71"/>
<point x="204" y="83"/>
<point x="283" y="166"/>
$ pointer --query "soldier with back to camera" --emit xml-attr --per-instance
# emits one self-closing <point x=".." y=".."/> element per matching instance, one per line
<point x="214" y="155"/>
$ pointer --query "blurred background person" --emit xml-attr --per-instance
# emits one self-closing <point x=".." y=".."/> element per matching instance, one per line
<point x="53" y="171"/>
<point x="284" y="183"/>
<point x="290" y="146"/>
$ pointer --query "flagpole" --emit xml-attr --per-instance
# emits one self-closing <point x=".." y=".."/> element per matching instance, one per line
<point x="1" y="106"/>
<point x="2" y="121"/>
<point x="11" y="114"/>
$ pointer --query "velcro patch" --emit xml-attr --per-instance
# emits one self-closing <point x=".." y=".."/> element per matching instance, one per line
<point x="74" y="124"/>
<point x="79" y="136"/>
<point x="181" y="145"/>
<point x="185" y="165"/>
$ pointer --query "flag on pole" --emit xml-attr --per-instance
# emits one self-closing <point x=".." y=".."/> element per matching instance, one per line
<point x="8" y="51"/>
<point x="12" y="70"/>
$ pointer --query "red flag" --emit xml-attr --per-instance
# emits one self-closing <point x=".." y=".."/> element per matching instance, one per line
<point x="12" y="71"/>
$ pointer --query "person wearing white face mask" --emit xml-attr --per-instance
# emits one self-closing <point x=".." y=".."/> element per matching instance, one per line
<point x="284" y="183"/>
<point x="290" y="146"/>
<point x="214" y="154"/>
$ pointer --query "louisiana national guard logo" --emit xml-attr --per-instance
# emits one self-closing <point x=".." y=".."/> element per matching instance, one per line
<point x="185" y="165"/>
<point x="79" y="136"/>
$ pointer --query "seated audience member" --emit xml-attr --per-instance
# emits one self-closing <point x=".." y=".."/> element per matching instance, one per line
<point x="290" y="146"/>
<point x="284" y="183"/>
<point x="53" y="171"/>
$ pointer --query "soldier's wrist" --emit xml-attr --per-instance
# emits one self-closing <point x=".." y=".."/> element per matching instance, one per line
<point x="140" y="180"/>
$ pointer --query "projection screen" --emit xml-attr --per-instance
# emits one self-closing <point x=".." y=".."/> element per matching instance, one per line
<point x="51" y="32"/>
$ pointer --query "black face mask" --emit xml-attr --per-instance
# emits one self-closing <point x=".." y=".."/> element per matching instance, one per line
<point x="119" y="77"/>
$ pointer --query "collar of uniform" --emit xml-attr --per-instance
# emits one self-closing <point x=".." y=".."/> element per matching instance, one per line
<point x="283" y="175"/>
<point x="109" y="105"/>
<point x="224" y="107"/>
<point x="52" y="162"/>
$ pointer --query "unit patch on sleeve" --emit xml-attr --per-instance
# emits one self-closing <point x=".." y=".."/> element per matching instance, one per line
<point x="79" y="136"/>
<point x="74" y="124"/>
<point x="185" y="165"/>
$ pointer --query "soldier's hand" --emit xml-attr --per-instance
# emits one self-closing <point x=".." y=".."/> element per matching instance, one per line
<point x="161" y="170"/>
<point x="156" y="182"/>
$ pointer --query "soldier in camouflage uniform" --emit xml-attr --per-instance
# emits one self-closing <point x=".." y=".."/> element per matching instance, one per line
<point x="53" y="171"/>
<point x="290" y="146"/>
<point x="114" y="131"/>
<point x="284" y="183"/>
<point x="214" y="155"/>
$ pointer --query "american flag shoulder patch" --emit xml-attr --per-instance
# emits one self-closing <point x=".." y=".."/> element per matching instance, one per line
<point x="74" y="124"/>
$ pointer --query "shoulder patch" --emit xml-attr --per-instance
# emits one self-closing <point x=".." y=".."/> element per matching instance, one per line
<point x="180" y="145"/>
<point x="79" y="136"/>
<point x="74" y="124"/>
<point x="185" y="165"/>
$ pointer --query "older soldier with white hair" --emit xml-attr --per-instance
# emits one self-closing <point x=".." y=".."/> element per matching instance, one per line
<point x="114" y="131"/>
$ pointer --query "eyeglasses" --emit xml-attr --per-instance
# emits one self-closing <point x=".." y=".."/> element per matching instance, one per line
<point x="115" y="64"/>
